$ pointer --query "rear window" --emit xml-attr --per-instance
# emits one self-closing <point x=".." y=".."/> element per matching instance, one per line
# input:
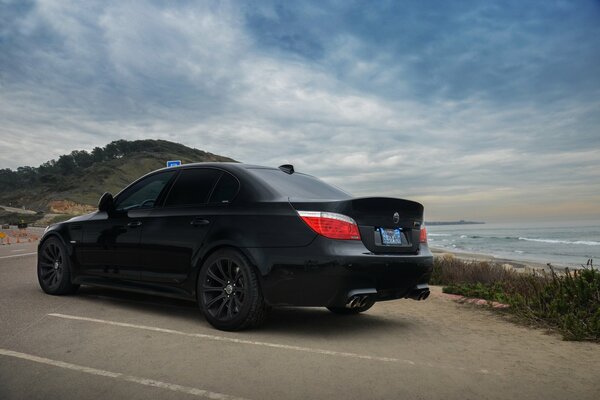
<point x="298" y="185"/>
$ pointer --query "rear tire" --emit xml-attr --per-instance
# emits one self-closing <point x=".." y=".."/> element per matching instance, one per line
<point x="229" y="293"/>
<point x="54" y="268"/>
<point x="351" y="311"/>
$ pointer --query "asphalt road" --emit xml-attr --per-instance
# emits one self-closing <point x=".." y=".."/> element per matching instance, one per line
<point x="108" y="344"/>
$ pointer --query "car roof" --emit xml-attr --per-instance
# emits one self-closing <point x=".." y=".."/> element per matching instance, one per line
<point x="233" y="166"/>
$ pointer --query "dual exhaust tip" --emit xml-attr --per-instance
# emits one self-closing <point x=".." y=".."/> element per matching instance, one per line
<point x="357" y="301"/>
<point x="420" y="292"/>
<point x="420" y="295"/>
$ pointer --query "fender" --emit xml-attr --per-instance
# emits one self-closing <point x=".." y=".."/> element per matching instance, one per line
<point x="199" y="259"/>
<point x="55" y="233"/>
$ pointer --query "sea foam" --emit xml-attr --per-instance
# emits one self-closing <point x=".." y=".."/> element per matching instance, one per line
<point x="556" y="241"/>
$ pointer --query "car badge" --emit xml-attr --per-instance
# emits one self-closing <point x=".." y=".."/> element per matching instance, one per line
<point x="396" y="217"/>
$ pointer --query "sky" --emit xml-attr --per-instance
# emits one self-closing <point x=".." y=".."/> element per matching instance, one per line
<point x="480" y="110"/>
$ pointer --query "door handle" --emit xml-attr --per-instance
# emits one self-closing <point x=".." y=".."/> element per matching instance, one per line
<point x="199" y="221"/>
<point x="134" y="224"/>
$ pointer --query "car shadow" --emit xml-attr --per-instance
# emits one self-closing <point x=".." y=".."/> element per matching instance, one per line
<point x="289" y="321"/>
<point x="320" y="322"/>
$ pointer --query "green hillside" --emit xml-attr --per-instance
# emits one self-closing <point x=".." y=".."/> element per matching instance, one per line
<point x="82" y="177"/>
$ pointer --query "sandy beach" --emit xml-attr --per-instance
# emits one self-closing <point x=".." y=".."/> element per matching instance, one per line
<point x="516" y="264"/>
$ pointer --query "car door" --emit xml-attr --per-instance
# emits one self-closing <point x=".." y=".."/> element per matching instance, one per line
<point x="175" y="233"/>
<point x="110" y="243"/>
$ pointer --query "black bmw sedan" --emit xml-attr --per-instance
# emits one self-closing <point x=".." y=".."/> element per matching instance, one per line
<point x="239" y="239"/>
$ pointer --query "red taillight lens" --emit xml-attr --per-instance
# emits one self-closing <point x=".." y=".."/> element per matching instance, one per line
<point x="331" y="225"/>
<point x="423" y="235"/>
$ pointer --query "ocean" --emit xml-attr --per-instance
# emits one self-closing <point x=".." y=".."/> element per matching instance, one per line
<point x="568" y="244"/>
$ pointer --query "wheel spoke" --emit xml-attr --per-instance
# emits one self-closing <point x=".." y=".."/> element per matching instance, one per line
<point x="54" y="251"/>
<point x="47" y="254"/>
<point x="229" y="270"/>
<point x="211" y="288"/>
<point x="225" y="266"/>
<point x="46" y="274"/>
<point x="230" y="308"/>
<point x="214" y="300"/>
<point x="50" y="252"/>
<point x="237" y="302"/>
<point x="221" y="307"/>
<point x="220" y="268"/>
<point x="213" y="276"/>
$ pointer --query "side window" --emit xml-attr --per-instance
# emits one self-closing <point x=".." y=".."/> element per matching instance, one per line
<point x="192" y="187"/>
<point x="144" y="193"/>
<point x="225" y="190"/>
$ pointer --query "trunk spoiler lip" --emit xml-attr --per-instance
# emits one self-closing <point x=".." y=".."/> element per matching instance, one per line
<point x="293" y="200"/>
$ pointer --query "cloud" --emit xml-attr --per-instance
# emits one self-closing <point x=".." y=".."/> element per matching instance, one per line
<point x="451" y="104"/>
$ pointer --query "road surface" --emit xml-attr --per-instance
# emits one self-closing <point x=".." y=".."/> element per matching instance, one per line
<point x="108" y="344"/>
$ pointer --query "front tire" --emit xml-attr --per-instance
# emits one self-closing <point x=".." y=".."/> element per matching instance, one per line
<point x="229" y="293"/>
<point x="54" y="268"/>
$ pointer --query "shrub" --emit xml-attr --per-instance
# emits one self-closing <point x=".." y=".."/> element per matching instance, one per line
<point x="449" y="269"/>
<point x="569" y="301"/>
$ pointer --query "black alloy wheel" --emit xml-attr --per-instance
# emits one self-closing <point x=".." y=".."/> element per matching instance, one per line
<point x="54" y="269"/>
<point x="224" y="289"/>
<point x="229" y="293"/>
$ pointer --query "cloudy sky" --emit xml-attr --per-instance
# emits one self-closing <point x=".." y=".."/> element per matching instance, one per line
<point x="481" y="110"/>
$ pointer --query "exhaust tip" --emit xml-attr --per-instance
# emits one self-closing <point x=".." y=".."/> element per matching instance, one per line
<point x="352" y="303"/>
<point x="420" y="292"/>
<point x="363" y="301"/>
<point x="357" y="301"/>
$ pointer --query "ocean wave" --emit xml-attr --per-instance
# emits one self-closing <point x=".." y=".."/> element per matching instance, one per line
<point x="556" y="241"/>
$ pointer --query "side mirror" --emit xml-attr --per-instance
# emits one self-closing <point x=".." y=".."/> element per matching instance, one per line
<point x="106" y="202"/>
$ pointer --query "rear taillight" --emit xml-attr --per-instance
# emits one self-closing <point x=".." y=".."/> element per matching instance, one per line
<point x="423" y="235"/>
<point x="331" y="225"/>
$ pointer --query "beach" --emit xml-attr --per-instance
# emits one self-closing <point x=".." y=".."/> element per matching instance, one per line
<point x="516" y="264"/>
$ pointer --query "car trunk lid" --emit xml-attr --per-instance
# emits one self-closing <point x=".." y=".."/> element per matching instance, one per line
<point x="386" y="225"/>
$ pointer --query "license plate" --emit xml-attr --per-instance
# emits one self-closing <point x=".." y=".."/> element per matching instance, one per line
<point x="391" y="237"/>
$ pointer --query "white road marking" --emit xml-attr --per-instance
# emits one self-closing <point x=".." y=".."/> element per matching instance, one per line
<point x="17" y="250"/>
<point x="117" y="375"/>
<point x="267" y="344"/>
<point x="19" y="255"/>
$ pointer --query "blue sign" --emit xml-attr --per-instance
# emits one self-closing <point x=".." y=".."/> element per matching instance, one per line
<point x="173" y="163"/>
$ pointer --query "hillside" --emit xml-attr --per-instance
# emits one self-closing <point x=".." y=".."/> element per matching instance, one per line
<point x="77" y="180"/>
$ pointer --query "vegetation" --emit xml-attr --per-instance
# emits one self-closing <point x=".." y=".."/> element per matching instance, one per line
<point x="568" y="302"/>
<point x="15" y="218"/>
<point x="83" y="176"/>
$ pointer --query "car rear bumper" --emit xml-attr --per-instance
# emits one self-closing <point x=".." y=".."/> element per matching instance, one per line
<point x="328" y="272"/>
